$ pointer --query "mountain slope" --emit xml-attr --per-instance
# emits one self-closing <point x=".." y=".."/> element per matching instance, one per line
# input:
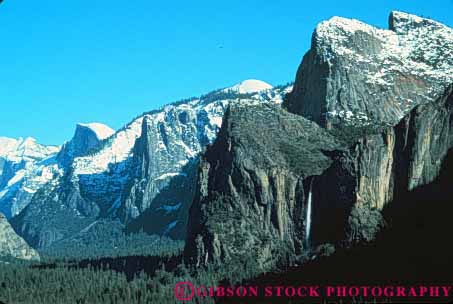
<point x="11" y="245"/>
<point x="27" y="166"/>
<point x="168" y="160"/>
<point x="147" y="166"/>
<point x="23" y="169"/>
<point x="27" y="149"/>
<point x="253" y="186"/>
<point x="423" y="216"/>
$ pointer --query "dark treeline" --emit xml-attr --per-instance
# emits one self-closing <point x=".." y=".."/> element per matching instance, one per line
<point x="132" y="266"/>
<point x="130" y="279"/>
<point x="108" y="239"/>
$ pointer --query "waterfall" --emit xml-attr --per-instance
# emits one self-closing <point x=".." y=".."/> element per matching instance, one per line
<point x="308" y="216"/>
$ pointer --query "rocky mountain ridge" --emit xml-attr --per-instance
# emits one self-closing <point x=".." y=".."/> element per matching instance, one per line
<point x="23" y="168"/>
<point x="356" y="73"/>
<point x="254" y="189"/>
<point x="276" y="205"/>
<point x="146" y="166"/>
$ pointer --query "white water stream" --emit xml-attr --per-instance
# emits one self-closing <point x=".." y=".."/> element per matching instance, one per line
<point x="308" y="217"/>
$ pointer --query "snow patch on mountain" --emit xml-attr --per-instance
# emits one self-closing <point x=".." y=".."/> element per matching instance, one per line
<point x="30" y="166"/>
<point x="250" y="86"/>
<point x="25" y="166"/>
<point x="7" y="145"/>
<point x="414" y="52"/>
<point x="27" y="149"/>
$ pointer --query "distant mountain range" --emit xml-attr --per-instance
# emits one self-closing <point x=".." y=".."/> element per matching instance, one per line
<point x="143" y="174"/>
<point x="24" y="168"/>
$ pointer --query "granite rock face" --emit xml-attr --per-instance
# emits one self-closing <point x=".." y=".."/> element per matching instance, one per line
<point x="254" y="182"/>
<point x="86" y="137"/>
<point x="381" y="167"/>
<point x="12" y="245"/>
<point x="356" y="73"/>
<point x="253" y="186"/>
<point x="163" y="175"/>
<point x="166" y="156"/>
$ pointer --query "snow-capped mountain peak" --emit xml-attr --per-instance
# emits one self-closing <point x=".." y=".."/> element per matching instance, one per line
<point x="28" y="141"/>
<point x="7" y="145"/>
<point x="93" y="171"/>
<point x="86" y="137"/>
<point x="102" y="131"/>
<point x="26" y="165"/>
<point x="412" y="60"/>
<point x="250" y="86"/>
<point x="23" y="171"/>
<point x="28" y="148"/>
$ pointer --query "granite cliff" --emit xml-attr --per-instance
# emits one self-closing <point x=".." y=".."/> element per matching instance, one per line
<point x="277" y="185"/>
<point x="254" y="183"/>
<point x="267" y="166"/>
<point x="357" y="73"/>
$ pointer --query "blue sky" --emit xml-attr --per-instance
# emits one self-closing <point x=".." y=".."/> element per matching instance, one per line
<point x="63" y="62"/>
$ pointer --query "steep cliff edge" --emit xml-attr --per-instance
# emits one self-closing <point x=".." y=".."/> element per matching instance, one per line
<point x="253" y="186"/>
<point x="275" y="183"/>
<point x="380" y="167"/>
<point x="356" y="73"/>
<point x="57" y="209"/>
<point x="86" y="137"/>
<point x="165" y="159"/>
<point x="158" y="197"/>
